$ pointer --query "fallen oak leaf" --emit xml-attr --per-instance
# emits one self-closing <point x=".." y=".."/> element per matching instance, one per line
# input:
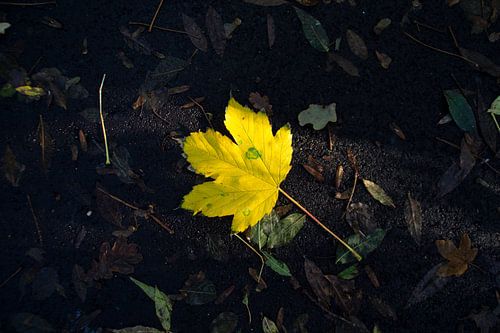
<point x="458" y="258"/>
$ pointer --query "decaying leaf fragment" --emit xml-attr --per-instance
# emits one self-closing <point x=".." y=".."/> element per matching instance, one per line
<point x="384" y="60"/>
<point x="246" y="172"/>
<point x="458" y="258"/>
<point x="12" y="169"/>
<point x="313" y="30"/>
<point x="356" y="44"/>
<point x="195" y="34"/>
<point x="343" y="63"/>
<point x="381" y="25"/>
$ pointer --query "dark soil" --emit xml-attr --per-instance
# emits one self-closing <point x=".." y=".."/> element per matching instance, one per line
<point x="293" y="75"/>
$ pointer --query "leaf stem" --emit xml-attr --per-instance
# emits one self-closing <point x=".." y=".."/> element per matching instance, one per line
<point x="496" y="122"/>
<point x="108" y="162"/>
<point x="356" y="254"/>
<point x="262" y="263"/>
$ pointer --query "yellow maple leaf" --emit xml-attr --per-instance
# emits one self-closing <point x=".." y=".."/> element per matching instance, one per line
<point x="247" y="172"/>
<point x="458" y="258"/>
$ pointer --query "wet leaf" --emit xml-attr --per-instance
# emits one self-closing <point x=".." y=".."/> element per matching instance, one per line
<point x="260" y="103"/>
<point x="460" y="110"/>
<point x="166" y="70"/>
<point x="216" y="31"/>
<point x="120" y="258"/>
<point x="363" y="245"/>
<point x="349" y="273"/>
<point x="163" y="304"/>
<point x="280" y="317"/>
<point x="271" y="232"/>
<point x="137" y="329"/>
<point x="458" y="258"/>
<point x="31" y="91"/>
<point x="266" y="2"/>
<point x="271" y="31"/>
<point x="12" y="169"/>
<point x="378" y="193"/>
<point x="318" y="115"/>
<point x="339" y="175"/>
<point x="457" y="172"/>
<point x="217" y="247"/>
<point x="319" y="284"/>
<point x="346" y="296"/>
<point x="25" y="322"/>
<point x="384" y="60"/>
<point x="276" y="265"/>
<point x="356" y="44"/>
<point x="381" y="25"/>
<point x="481" y="63"/>
<point x="46" y="145"/>
<point x="313" y="31"/>
<point x="269" y="326"/>
<point x="225" y="322"/>
<point x="198" y="290"/>
<point x="346" y="65"/>
<point x="413" y="218"/>
<point x="195" y="34"/>
<point x="45" y="283"/>
<point x="428" y="286"/>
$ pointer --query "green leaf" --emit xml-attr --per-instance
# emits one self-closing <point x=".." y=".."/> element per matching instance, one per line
<point x="271" y="232"/>
<point x="137" y="329"/>
<point x="163" y="305"/>
<point x="495" y="107"/>
<point x="313" y="30"/>
<point x="225" y="322"/>
<point x="349" y="273"/>
<point x="7" y="90"/>
<point x="362" y="245"/>
<point x="460" y="111"/>
<point x="268" y="326"/>
<point x="318" y="115"/>
<point x="378" y="193"/>
<point x="278" y="266"/>
<point x="201" y="293"/>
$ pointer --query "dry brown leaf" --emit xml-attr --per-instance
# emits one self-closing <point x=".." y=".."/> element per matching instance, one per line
<point x="260" y="103"/>
<point x="343" y="63"/>
<point x="314" y="168"/>
<point x="271" y="31"/>
<point x="346" y="296"/>
<point x="195" y="34"/>
<point x="216" y="31"/>
<point x="12" y="169"/>
<point x="339" y="174"/>
<point x="453" y="2"/>
<point x="318" y="282"/>
<point x="381" y="25"/>
<point x="83" y="140"/>
<point x="413" y="217"/>
<point x="356" y="44"/>
<point x="458" y="258"/>
<point x="384" y="59"/>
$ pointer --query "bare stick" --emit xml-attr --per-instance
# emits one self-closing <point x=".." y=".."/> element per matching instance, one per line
<point x="256" y="252"/>
<point x="10" y="277"/>
<point x="28" y="3"/>
<point x="35" y="220"/>
<point x="202" y="110"/>
<point x="163" y="28"/>
<point x="155" y="15"/>
<point x="108" y="162"/>
<point x="439" y="50"/>
<point x="454" y="39"/>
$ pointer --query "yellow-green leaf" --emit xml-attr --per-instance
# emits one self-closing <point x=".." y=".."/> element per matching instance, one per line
<point x="30" y="91"/>
<point x="378" y="193"/>
<point x="247" y="172"/>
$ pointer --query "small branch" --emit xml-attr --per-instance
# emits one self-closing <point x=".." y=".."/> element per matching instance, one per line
<point x="28" y="3"/>
<point x="155" y="15"/>
<point x="439" y="50"/>
<point x="347" y="246"/>
<point x="202" y="110"/>
<point x="262" y="262"/>
<point x="108" y="162"/>
<point x="35" y="220"/>
<point x="162" y="28"/>
<point x="454" y="39"/>
<point x="10" y="277"/>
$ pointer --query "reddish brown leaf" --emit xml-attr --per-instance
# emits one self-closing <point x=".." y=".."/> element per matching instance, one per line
<point x="260" y="103"/>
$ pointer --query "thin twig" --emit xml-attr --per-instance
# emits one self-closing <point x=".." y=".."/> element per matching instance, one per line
<point x="35" y="220"/>
<point x="155" y="15"/>
<point x="330" y="138"/>
<point x="149" y="214"/>
<point x="202" y="110"/>
<point x="262" y="262"/>
<point x="439" y="50"/>
<point x="108" y="162"/>
<point x="418" y="23"/>
<point x="10" y="277"/>
<point x="158" y="115"/>
<point x="451" y="144"/>
<point x="454" y="39"/>
<point x="163" y="28"/>
<point x="28" y="3"/>
<point x="34" y="66"/>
